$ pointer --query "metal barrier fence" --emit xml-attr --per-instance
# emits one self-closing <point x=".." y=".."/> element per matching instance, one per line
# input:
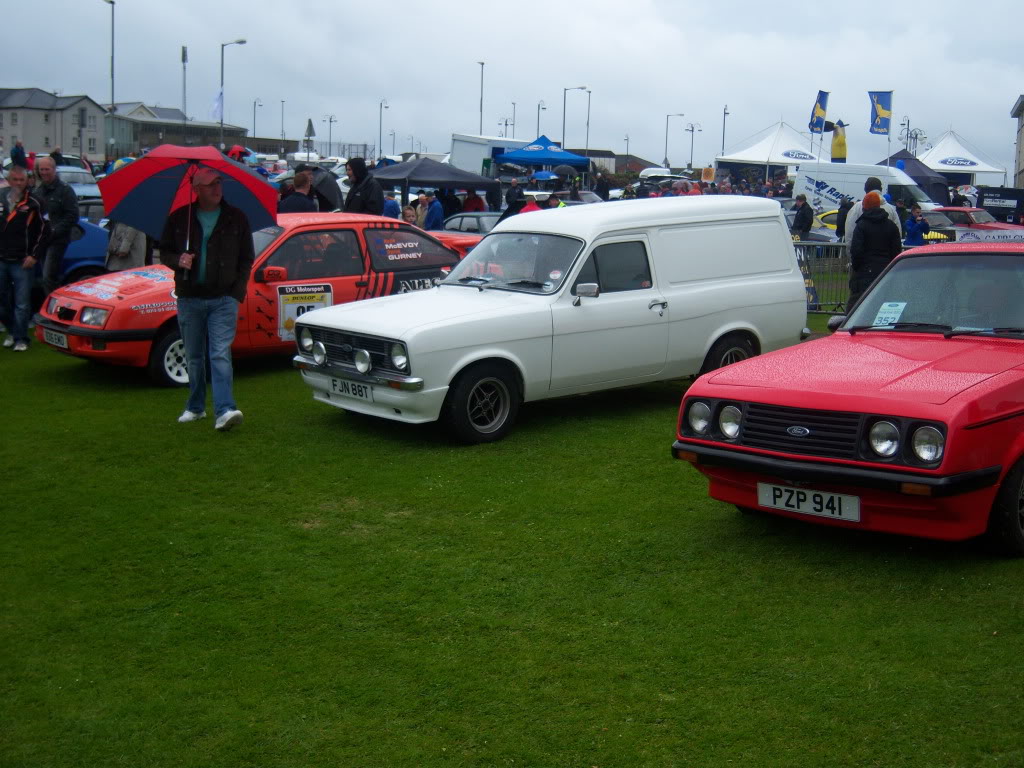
<point x="826" y="270"/>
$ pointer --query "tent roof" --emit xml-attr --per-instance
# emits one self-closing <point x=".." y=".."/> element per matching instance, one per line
<point x="430" y="173"/>
<point x="782" y="145"/>
<point x="543" y="151"/>
<point x="913" y="167"/>
<point x="950" y="155"/>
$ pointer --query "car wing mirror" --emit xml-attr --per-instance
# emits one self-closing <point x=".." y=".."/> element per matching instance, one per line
<point x="77" y="232"/>
<point x="589" y="290"/>
<point x="835" y="321"/>
<point x="272" y="275"/>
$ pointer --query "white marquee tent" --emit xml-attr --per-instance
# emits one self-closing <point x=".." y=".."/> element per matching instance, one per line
<point x="950" y="155"/>
<point x="780" y="144"/>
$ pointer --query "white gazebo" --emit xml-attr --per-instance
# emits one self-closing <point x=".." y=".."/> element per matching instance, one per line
<point x="780" y="145"/>
<point x="950" y="155"/>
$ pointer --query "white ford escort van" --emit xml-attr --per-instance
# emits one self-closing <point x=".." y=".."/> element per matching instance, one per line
<point x="561" y="302"/>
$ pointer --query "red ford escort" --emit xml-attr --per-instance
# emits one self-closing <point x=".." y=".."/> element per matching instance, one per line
<point x="307" y="261"/>
<point x="909" y="419"/>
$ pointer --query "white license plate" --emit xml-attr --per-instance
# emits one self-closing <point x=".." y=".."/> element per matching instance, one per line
<point x="807" y="502"/>
<point x="57" y="339"/>
<point x="352" y="389"/>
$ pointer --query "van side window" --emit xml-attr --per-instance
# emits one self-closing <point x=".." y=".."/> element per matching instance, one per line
<point x="617" y="267"/>
<point x="316" y="255"/>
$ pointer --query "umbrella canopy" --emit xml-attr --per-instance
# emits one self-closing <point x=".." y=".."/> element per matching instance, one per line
<point x="325" y="185"/>
<point x="143" y="194"/>
<point x="544" y="175"/>
<point x="429" y="173"/>
<point x="565" y="170"/>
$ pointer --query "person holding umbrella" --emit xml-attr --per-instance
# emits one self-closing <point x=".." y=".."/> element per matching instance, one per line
<point x="209" y="246"/>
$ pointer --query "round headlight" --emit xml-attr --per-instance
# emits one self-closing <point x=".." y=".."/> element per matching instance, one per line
<point x="319" y="353"/>
<point x="729" y="421"/>
<point x="306" y="340"/>
<point x="362" y="360"/>
<point x="399" y="357"/>
<point x="928" y="444"/>
<point x="699" y="416"/>
<point x="884" y="438"/>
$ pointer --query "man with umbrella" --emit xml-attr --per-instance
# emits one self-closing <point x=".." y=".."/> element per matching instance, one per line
<point x="209" y="247"/>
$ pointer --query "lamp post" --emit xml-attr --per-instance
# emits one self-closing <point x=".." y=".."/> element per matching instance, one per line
<point x="693" y="128"/>
<point x="627" y="147"/>
<point x="411" y="148"/>
<point x="255" y="103"/>
<point x="111" y="4"/>
<point x="586" y="151"/>
<point x="282" y="127"/>
<point x="481" y="97"/>
<point x="391" y="133"/>
<point x="184" y="101"/>
<point x="330" y="120"/>
<point x="239" y="41"/>
<point x="540" y="105"/>
<point x="905" y="133"/>
<point x="513" y="120"/>
<point x="564" y="92"/>
<point x="674" y="114"/>
<point x="380" y="128"/>
<point x="725" y="114"/>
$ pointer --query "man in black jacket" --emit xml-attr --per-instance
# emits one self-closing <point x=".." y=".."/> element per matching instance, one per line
<point x="60" y="205"/>
<point x="22" y="241"/>
<point x="804" y="218"/>
<point x="876" y="242"/>
<point x="366" y="195"/>
<point x="209" y="246"/>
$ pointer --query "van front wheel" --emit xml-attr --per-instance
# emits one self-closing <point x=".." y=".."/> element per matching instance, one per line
<point x="482" y="404"/>
<point x="726" y="351"/>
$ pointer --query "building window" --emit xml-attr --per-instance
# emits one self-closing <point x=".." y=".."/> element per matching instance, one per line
<point x="14" y="119"/>
<point x="46" y="141"/>
<point x="74" y="142"/>
<point x="46" y="118"/>
<point x="92" y="122"/>
<point x="74" y="118"/>
<point x="92" y="144"/>
<point x="1" y="119"/>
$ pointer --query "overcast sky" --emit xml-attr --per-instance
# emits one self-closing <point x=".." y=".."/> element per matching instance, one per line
<point x="952" y="64"/>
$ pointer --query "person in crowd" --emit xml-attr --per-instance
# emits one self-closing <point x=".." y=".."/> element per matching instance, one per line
<point x="628" y="192"/>
<point x="88" y="164"/>
<point x="18" y="155"/>
<point x="300" y="200"/>
<point x="536" y="203"/>
<point x="126" y="249"/>
<point x="422" y="204"/>
<point x="804" y="219"/>
<point x="871" y="184"/>
<point x="58" y="156"/>
<point x="60" y="206"/>
<point x="956" y="199"/>
<point x="365" y="195"/>
<point x="391" y="207"/>
<point x="601" y="186"/>
<point x="474" y="203"/>
<point x="23" y="233"/>
<point x="876" y="241"/>
<point x="902" y="213"/>
<point x="435" y="213"/>
<point x="409" y="215"/>
<point x="450" y="203"/>
<point x="514" y="192"/>
<point x="554" y="201"/>
<point x="916" y="227"/>
<point x="209" y="246"/>
<point x="841" y="216"/>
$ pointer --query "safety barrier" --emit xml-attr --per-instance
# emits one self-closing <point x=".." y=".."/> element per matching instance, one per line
<point x="826" y="270"/>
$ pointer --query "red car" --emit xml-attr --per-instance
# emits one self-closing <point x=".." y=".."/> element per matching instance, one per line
<point x="305" y="262"/>
<point x="980" y="219"/>
<point x="908" y="419"/>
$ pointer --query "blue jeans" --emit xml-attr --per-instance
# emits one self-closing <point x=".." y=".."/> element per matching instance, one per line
<point x="15" y="298"/>
<point x="207" y="329"/>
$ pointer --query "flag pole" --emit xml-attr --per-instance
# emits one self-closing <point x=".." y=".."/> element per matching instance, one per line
<point x="888" y="136"/>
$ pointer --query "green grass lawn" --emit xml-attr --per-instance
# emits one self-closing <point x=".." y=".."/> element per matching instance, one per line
<point x="322" y="589"/>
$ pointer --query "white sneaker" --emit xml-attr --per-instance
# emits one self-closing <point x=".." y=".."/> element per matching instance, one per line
<point x="189" y="416"/>
<point x="20" y="346"/>
<point x="227" y="420"/>
<point x="8" y="342"/>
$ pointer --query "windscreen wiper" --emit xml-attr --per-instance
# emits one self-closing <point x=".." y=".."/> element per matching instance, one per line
<point x="1007" y="330"/>
<point x="899" y="326"/>
<point x="527" y="283"/>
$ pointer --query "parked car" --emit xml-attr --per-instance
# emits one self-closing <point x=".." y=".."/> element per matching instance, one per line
<point x="307" y="261"/>
<point x="906" y="420"/>
<point x="941" y="228"/>
<point x="563" y="302"/>
<point x="818" y="232"/>
<point x="81" y="181"/>
<point x="472" y="222"/>
<point x="979" y="218"/>
<point x="70" y="161"/>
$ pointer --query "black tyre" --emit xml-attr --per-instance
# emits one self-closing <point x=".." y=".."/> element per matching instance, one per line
<point x="167" y="363"/>
<point x="727" y="350"/>
<point x="482" y="405"/>
<point x="1006" y="519"/>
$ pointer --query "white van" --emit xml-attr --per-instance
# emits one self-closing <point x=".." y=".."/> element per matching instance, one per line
<point x="562" y="302"/>
<point x="828" y="184"/>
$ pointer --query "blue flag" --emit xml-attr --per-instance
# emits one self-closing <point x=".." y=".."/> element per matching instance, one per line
<point x="817" y="124"/>
<point x="881" y="111"/>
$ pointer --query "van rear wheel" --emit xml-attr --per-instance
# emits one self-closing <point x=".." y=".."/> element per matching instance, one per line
<point x="726" y="351"/>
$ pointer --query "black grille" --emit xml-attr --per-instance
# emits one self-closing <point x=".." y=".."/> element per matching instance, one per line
<point x="67" y="314"/>
<point x="829" y="433"/>
<point x="341" y="347"/>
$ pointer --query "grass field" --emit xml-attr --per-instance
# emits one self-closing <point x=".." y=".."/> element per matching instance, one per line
<point x="321" y="589"/>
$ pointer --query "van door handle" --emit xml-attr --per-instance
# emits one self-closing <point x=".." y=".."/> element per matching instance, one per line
<point x="658" y="303"/>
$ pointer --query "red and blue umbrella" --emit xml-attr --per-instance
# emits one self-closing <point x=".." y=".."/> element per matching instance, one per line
<point x="143" y="194"/>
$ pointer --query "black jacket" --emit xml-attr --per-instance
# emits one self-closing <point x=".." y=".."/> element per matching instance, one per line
<point x="876" y="242"/>
<point x="514" y="194"/>
<point x="23" y="231"/>
<point x="229" y="252"/>
<point x="803" y="220"/>
<point x="366" y="195"/>
<point x="60" y="203"/>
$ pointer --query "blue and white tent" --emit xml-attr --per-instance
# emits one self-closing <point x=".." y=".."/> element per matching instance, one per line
<point x="543" y="151"/>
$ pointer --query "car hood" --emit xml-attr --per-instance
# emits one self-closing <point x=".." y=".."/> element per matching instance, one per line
<point x="398" y="315"/>
<point x="130" y="286"/>
<point x="925" y="368"/>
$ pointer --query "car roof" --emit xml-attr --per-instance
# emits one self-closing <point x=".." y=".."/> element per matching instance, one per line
<point x="990" y="246"/>
<point x="294" y="220"/>
<point x="965" y="208"/>
<point x="589" y="221"/>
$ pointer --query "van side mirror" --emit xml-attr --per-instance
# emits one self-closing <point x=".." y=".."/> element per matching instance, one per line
<point x="272" y="275"/>
<point x="834" y="322"/>
<point x="590" y="290"/>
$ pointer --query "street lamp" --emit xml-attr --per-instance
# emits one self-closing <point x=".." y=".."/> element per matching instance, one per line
<point x="513" y="120"/>
<point x="255" y="103"/>
<point x="674" y="114"/>
<point x="540" y="105"/>
<point x="380" y="128"/>
<point x="627" y="147"/>
<point x="564" y="92"/>
<point x="410" y="143"/>
<point x="481" y="97"/>
<point x="725" y="114"/>
<point x="330" y="120"/>
<point x="692" y="128"/>
<point x="239" y="41"/>
<point x="586" y="151"/>
<point x="391" y="133"/>
<point x="111" y="4"/>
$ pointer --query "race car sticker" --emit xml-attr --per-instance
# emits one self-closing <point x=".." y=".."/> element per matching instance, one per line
<point x="889" y="313"/>
<point x="293" y="301"/>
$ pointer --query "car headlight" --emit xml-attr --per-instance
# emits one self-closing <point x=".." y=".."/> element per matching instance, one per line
<point x="51" y="305"/>
<point x="306" y="340"/>
<point x="729" y="421"/>
<point x="399" y="356"/>
<point x="362" y="360"/>
<point x="319" y="353"/>
<point x="94" y="316"/>
<point x="884" y="438"/>
<point x="699" y="417"/>
<point x="928" y="444"/>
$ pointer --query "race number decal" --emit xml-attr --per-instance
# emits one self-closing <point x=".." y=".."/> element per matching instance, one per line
<point x="889" y="313"/>
<point x="293" y="301"/>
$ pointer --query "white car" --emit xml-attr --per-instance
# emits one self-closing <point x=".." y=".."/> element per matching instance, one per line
<point x="555" y="303"/>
